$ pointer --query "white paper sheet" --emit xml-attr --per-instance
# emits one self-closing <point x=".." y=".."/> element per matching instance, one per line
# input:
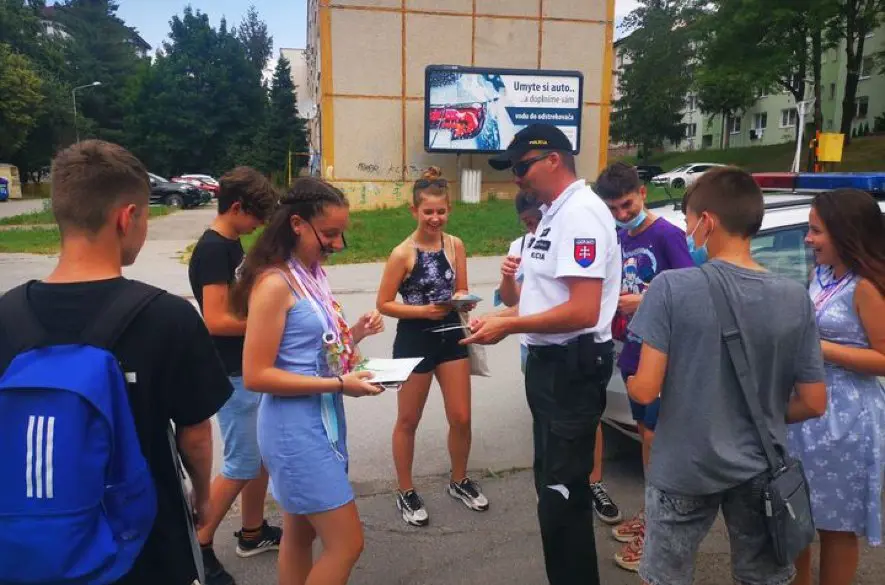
<point x="390" y="371"/>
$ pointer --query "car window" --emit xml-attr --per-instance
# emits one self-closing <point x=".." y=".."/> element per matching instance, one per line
<point x="784" y="252"/>
<point x="701" y="168"/>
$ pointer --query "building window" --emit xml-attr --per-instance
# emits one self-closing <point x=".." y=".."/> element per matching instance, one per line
<point x="691" y="103"/>
<point x="832" y="91"/>
<point x="691" y="130"/>
<point x="788" y="118"/>
<point x="734" y="125"/>
<point x="760" y="121"/>
<point x="707" y="141"/>
<point x="862" y="107"/>
<point x="866" y="67"/>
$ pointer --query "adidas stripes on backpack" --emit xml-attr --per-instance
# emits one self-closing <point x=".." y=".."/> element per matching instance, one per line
<point x="77" y="499"/>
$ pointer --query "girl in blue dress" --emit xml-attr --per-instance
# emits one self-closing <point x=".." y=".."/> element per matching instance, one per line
<point x="843" y="451"/>
<point x="301" y="354"/>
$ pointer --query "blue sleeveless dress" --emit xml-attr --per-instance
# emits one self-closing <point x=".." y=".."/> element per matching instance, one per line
<point x="843" y="451"/>
<point x="307" y="474"/>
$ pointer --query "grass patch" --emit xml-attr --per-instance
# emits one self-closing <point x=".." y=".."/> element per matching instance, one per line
<point x="44" y="217"/>
<point x="35" y="232"/>
<point x="29" y="241"/>
<point x="863" y="154"/>
<point x="486" y="228"/>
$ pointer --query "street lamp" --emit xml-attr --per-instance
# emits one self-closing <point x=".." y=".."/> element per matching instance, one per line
<point x="74" y="99"/>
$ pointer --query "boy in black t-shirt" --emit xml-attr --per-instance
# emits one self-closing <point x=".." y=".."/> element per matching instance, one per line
<point x="245" y="200"/>
<point x="100" y="198"/>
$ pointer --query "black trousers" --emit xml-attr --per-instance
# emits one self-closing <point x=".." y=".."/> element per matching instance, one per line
<point x="566" y="391"/>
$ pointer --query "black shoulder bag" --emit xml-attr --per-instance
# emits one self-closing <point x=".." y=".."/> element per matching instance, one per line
<point x="786" y="494"/>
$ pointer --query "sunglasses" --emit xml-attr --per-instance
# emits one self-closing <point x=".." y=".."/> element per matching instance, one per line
<point x="425" y="183"/>
<point x="521" y="168"/>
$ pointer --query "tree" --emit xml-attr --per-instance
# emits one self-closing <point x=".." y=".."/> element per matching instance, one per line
<point x="772" y="44"/>
<point x="727" y="92"/>
<point x="656" y="76"/>
<point x="285" y="130"/>
<point x="252" y="32"/>
<point x="853" y="21"/>
<point x="21" y="98"/>
<point x="201" y="103"/>
<point x="101" y="48"/>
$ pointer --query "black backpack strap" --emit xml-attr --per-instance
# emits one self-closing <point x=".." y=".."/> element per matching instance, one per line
<point x="23" y="330"/>
<point x="118" y="315"/>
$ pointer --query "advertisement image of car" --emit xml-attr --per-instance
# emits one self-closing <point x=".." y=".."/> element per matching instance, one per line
<point x="469" y="109"/>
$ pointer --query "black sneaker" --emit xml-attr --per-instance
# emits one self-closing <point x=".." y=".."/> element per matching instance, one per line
<point x="468" y="492"/>
<point x="268" y="540"/>
<point x="215" y="573"/>
<point x="412" y="507"/>
<point x="603" y="505"/>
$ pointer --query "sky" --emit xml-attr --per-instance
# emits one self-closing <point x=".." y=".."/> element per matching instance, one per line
<point x="286" y="19"/>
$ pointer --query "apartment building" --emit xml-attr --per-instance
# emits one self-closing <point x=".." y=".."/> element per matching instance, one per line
<point x="773" y="117"/>
<point x="366" y="63"/>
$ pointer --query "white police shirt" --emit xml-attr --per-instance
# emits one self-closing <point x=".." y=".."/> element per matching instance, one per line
<point x="576" y="238"/>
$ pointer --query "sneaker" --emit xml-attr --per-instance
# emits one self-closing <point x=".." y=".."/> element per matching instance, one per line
<point x="630" y="556"/>
<point x="215" y="573"/>
<point x="468" y="492"/>
<point x="603" y="505"/>
<point x="268" y="540"/>
<point x="630" y="529"/>
<point x="412" y="507"/>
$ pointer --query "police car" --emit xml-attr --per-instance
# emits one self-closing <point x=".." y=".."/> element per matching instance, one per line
<point x="779" y="246"/>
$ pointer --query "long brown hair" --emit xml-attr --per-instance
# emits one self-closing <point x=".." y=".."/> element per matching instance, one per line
<point x="857" y="229"/>
<point x="307" y="198"/>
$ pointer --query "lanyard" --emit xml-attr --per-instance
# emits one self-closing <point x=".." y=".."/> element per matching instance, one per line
<point x="829" y="290"/>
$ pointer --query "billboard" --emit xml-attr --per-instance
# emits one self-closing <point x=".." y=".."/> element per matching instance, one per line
<point x="479" y="110"/>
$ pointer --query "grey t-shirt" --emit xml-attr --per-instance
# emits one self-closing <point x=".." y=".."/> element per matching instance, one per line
<point x="705" y="441"/>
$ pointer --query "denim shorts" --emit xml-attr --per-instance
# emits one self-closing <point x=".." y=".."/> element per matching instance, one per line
<point x="238" y="421"/>
<point x="675" y="525"/>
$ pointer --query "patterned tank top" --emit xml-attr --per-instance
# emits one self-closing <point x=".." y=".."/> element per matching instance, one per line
<point x="432" y="279"/>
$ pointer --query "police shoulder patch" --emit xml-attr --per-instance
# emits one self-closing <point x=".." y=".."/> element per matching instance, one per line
<point x="585" y="251"/>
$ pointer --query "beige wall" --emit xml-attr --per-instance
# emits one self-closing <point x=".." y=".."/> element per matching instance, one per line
<point x="373" y="55"/>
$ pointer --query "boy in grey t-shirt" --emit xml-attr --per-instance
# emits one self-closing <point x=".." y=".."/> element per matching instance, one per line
<point x="707" y="454"/>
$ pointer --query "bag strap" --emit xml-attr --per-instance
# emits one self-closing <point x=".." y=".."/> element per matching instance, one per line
<point x="731" y="336"/>
<point x="119" y="314"/>
<point x="23" y="328"/>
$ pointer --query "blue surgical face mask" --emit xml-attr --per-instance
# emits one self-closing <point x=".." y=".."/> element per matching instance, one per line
<point x="633" y="223"/>
<point x="699" y="254"/>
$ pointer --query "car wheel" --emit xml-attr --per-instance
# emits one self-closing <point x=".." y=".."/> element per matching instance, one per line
<point x="175" y="201"/>
<point x="679" y="183"/>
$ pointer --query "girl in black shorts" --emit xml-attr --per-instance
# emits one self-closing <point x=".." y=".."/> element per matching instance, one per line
<point x="428" y="269"/>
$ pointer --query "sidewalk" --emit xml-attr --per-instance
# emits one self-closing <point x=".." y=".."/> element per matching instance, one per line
<point x="499" y="547"/>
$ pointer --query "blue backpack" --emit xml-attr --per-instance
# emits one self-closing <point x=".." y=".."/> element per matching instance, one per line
<point x="77" y="499"/>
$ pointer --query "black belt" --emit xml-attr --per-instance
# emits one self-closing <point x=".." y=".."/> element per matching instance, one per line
<point x="584" y="342"/>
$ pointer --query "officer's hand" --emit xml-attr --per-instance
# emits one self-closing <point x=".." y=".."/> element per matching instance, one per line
<point x="510" y="266"/>
<point x="436" y="312"/>
<point x="629" y="304"/>
<point x="490" y="331"/>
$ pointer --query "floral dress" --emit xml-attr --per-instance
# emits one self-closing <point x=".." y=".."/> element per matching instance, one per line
<point x="843" y="451"/>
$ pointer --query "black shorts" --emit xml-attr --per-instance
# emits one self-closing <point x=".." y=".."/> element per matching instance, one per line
<point x="414" y="339"/>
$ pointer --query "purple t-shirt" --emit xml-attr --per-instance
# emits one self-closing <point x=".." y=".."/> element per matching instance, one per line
<point x="660" y="247"/>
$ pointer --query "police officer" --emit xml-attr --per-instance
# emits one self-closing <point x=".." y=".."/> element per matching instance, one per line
<point x="572" y="272"/>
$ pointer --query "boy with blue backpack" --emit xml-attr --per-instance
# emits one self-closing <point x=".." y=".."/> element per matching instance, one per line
<point x="94" y="371"/>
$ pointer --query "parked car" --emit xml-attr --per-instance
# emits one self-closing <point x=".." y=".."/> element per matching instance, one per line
<point x="779" y="246"/>
<point x="683" y="176"/>
<point x="182" y="195"/>
<point x="648" y="172"/>
<point x="208" y="179"/>
<point x="211" y="187"/>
